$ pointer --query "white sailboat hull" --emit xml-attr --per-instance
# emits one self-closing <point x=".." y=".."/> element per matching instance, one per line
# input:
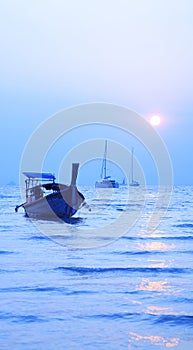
<point x="107" y="184"/>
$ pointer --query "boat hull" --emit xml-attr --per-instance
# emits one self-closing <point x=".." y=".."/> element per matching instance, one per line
<point x="134" y="184"/>
<point x="62" y="204"/>
<point x="107" y="184"/>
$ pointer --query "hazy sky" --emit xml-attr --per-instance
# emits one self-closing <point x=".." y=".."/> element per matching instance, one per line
<point x="56" y="54"/>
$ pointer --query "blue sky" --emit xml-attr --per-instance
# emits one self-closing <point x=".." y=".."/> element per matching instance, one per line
<point x="56" y="54"/>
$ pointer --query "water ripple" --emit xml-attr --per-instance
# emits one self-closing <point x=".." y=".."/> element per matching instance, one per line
<point x="104" y="270"/>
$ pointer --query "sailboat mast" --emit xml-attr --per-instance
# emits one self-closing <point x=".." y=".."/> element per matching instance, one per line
<point x="105" y="160"/>
<point x="104" y="163"/>
<point x="132" y="164"/>
<point x="133" y="182"/>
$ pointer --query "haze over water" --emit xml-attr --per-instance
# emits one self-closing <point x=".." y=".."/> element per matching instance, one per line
<point x="123" y="286"/>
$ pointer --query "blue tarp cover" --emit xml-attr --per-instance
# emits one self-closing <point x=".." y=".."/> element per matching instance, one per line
<point x="33" y="175"/>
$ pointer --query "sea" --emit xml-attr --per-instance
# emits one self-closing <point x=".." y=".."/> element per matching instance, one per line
<point x="104" y="280"/>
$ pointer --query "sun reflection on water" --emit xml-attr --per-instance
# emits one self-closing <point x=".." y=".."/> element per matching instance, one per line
<point x="160" y="246"/>
<point x="161" y="264"/>
<point x="153" y="286"/>
<point x="155" y="310"/>
<point x="153" y="340"/>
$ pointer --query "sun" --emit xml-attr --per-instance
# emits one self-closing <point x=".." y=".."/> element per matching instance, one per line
<point x="155" y="120"/>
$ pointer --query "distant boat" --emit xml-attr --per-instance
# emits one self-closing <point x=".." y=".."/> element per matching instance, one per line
<point x="106" y="181"/>
<point x="123" y="183"/>
<point x="60" y="201"/>
<point x="133" y="182"/>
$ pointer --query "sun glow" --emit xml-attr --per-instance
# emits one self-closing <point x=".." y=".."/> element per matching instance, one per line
<point x="155" y="120"/>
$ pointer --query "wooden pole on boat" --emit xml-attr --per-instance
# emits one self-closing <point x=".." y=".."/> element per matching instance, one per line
<point x="75" y="167"/>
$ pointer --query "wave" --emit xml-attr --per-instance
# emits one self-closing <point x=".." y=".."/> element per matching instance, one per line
<point x="60" y="290"/>
<point x="2" y="271"/>
<point x="153" y="252"/>
<point x="21" y="318"/>
<point x="103" y="270"/>
<point x="179" y="238"/>
<point x="3" y="196"/>
<point x="158" y="238"/>
<point x="6" y="252"/>
<point x="38" y="238"/>
<point x="5" y="227"/>
<point x="186" y="320"/>
<point x="144" y="252"/>
<point x="187" y="225"/>
<point x="116" y="315"/>
<point x="183" y="300"/>
<point x="174" y="320"/>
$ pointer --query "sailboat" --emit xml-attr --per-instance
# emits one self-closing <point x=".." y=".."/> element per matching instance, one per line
<point x="133" y="182"/>
<point x="106" y="181"/>
<point x="123" y="183"/>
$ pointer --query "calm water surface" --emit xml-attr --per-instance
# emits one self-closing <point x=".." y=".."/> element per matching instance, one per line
<point x="86" y="285"/>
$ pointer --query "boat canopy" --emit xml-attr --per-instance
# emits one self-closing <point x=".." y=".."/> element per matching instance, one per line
<point x="46" y="176"/>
